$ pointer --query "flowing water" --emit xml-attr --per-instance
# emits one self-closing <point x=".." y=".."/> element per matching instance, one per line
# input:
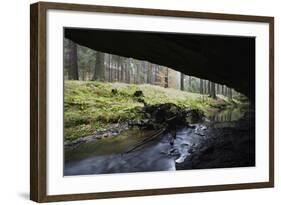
<point x="115" y="154"/>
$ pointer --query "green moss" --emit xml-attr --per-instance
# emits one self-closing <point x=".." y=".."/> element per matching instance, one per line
<point x="90" y="105"/>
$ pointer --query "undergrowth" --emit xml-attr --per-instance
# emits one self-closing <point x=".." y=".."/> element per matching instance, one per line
<point x="90" y="105"/>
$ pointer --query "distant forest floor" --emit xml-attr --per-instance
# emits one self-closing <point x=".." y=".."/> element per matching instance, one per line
<point x="90" y="106"/>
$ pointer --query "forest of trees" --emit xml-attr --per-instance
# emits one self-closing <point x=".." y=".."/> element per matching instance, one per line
<point x="82" y="63"/>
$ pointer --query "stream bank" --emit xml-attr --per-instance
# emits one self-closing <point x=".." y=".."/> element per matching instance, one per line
<point x="224" y="140"/>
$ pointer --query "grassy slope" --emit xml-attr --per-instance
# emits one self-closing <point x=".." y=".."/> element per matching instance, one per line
<point x="90" y="105"/>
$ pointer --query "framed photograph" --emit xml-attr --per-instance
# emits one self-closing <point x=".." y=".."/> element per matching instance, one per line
<point x="135" y="102"/>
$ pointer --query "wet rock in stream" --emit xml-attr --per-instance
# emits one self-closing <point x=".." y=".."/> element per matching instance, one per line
<point x="168" y="115"/>
<point x="224" y="147"/>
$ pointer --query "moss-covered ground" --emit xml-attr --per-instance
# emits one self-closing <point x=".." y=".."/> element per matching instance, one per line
<point x="90" y="106"/>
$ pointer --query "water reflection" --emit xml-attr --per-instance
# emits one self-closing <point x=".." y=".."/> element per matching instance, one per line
<point x="109" y="155"/>
<point x="105" y="146"/>
<point x="227" y="115"/>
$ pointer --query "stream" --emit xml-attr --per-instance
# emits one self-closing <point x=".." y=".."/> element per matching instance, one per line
<point x="210" y="144"/>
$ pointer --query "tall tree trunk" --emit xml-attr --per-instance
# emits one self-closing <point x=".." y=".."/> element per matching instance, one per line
<point x="213" y="91"/>
<point x="153" y="70"/>
<point x="138" y="73"/>
<point x="83" y="74"/>
<point x="209" y="87"/>
<point x="149" y="72"/>
<point x="182" y="82"/>
<point x="201" y="86"/>
<point x="230" y="93"/>
<point x="118" y="71"/>
<point x="225" y="91"/>
<point x="205" y="86"/>
<point x="189" y="82"/>
<point x="156" y="70"/>
<point x="222" y="89"/>
<point x="110" y="67"/>
<point x="115" y="70"/>
<point x="125" y="70"/>
<point x="73" y="61"/>
<point x="166" y="78"/>
<point x="122" y="74"/>
<point x="99" y="67"/>
<point x="190" y="79"/>
<point x="128" y="73"/>
<point x="218" y="89"/>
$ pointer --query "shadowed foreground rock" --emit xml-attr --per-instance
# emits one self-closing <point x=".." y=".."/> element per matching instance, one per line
<point x="224" y="147"/>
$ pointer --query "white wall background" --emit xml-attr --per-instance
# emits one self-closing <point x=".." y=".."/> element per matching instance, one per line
<point x="14" y="101"/>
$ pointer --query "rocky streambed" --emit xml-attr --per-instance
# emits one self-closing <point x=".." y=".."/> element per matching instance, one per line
<point x="168" y="138"/>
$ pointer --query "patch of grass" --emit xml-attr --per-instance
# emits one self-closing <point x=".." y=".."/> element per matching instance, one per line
<point x="90" y="106"/>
